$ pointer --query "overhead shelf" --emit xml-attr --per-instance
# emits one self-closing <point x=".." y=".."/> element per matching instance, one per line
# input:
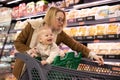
<point x="110" y="56"/>
<point x="107" y="20"/>
<point x="96" y="3"/>
<point x="30" y="17"/>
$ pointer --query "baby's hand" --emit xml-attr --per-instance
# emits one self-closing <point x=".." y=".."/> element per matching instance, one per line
<point x="62" y="54"/>
<point x="43" y="62"/>
<point x="32" y="52"/>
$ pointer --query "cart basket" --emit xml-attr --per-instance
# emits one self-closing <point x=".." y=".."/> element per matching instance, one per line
<point x="87" y="70"/>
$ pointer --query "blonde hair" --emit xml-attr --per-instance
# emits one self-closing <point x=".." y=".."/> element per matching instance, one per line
<point x="43" y="27"/>
<point x="51" y="14"/>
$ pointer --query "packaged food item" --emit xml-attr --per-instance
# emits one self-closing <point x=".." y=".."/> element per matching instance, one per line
<point x="15" y="12"/>
<point x="114" y="11"/>
<point x="5" y="17"/>
<point x="112" y="28"/>
<point x="103" y="48"/>
<point x="92" y="30"/>
<point x="31" y="8"/>
<point x="82" y="31"/>
<point x="93" y="11"/>
<point x="93" y="47"/>
<point x="72" y="14"/>
<point x="101" y="29"/>
<point x="115" y="48"/>
<point x="73" y="31"/>
<point x="41" y="6"/>
<point x="102" y="12"/>
<point x="84" y="12"/>
<point x="22" y="9"/>
<point x="67" y="31"/>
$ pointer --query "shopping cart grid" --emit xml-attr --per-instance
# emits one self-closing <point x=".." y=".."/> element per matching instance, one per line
<point x="85" y="70"/>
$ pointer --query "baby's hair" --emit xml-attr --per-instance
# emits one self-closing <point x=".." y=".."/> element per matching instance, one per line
<point x="42" y="27"/>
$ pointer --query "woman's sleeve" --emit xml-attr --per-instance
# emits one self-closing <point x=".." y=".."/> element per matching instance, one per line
<point x="21" y="43"/>
<point x="73" y="44"/>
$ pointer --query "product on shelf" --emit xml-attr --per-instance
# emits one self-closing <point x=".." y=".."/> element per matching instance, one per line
<point x="92" y="30"/>
<point x="41" y="6"/>
<point x="92" y="11"/>
<point x="22" y="9"/>
<point x="101" y="29"/>
<point x="82" y="31"/>
<point x="5" y="16"/>
<point x="73" y="31"/>
<point x="105" y="48"/>
<point x="103" y="12"/>
<point x="67" y="31"/>
<point x="114" y="11"/>
<point x="113" y="28"/>
<point x="31" y="8"/>
<point x="15" y="12"/>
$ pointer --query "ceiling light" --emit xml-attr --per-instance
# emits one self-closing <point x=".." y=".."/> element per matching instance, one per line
<point x="1" y="5"/>
<point x="2" y="0"/>
<point x="15" y="1"/>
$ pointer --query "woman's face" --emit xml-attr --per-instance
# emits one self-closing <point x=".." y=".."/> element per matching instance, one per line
<point x="59" y="21"/>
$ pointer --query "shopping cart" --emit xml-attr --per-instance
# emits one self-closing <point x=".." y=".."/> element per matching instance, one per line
<point x="87" y="70"/>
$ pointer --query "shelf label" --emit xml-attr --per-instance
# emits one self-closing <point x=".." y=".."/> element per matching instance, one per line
<point x="112" y="19"/>
<point x="95" y="41"/>
<point x="79" y="37"/>
<point x="81" y="23"/>
<point x="116" y="68"/>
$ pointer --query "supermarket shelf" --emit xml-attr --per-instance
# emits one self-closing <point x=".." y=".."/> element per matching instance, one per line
<point x="70" y="8"/>
<point x="97" y="3"/>
<point x="30" y="17"/>
<point x="112" y="60"/>
<point x="108" y="20"/>
<point x="5" y="68"/>
<point x="110" y="56"/>
<point x="14" y="31"/>
<point x="102" y="38"/>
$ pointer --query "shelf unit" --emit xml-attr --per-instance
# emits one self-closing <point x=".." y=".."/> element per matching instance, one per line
<point x="73" y="22"/>
<point x="80" y="22"/>
<point x="96" y="3"/>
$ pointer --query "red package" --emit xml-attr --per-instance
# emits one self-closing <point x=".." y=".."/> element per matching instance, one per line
<point x="22" y="9"/>
<point x="15" y="12"/>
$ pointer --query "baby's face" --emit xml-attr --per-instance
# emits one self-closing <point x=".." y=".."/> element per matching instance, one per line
<point x="46" y="37"/>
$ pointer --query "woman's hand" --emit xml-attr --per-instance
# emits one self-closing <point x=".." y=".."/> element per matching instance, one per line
<point x="32" y="52"/>
<point x="99" y="59"/>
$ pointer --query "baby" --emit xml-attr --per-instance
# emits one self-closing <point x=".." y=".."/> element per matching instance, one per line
<point x="46" y="48"/>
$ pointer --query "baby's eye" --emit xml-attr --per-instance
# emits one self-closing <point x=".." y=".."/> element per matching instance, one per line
<point x="51" y="34"/>
<point x="46" y="35"/>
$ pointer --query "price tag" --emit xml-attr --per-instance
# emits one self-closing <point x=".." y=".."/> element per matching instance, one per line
<point x="112" y="19"/>
<point x="95" y="41"/>
<point x="81" y="23"/>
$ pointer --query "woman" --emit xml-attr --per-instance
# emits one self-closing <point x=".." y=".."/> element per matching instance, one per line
<point x="55" y="18"/>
